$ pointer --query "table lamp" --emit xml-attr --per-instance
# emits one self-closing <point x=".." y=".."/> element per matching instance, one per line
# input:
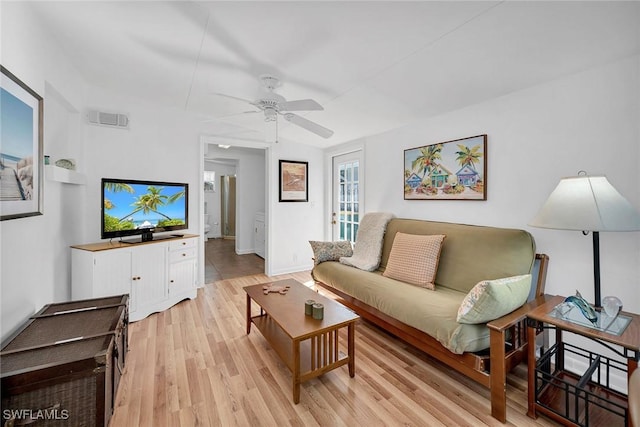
<point x="588" y="204"/>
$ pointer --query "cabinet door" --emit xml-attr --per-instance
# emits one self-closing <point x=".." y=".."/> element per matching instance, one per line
<point x="182" y="276"/>
<point x="148" y="285"/>
<point x="111" y="273"/>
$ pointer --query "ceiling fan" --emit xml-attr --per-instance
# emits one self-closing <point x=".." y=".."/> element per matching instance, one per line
<point x="272" y="105"/>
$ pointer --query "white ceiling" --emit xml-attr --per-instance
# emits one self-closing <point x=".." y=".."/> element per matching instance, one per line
<point x="373" y="66"/>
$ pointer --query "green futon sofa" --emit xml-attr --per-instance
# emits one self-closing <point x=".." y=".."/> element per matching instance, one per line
<point x="426" y="318"/>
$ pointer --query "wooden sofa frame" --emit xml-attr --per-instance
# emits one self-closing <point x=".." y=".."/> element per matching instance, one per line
<point x="508" y="341"/>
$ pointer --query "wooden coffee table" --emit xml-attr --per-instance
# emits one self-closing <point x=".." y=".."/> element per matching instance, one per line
<point x="308" y="347"/>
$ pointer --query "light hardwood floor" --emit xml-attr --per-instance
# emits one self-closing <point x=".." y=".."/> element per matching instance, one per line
<point x="194" y="365"/>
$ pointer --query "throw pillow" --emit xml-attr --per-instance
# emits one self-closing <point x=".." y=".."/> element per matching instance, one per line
<point x="491" y="299"/>
<point x="330" y="251"/>
<point x="414" y="259"/>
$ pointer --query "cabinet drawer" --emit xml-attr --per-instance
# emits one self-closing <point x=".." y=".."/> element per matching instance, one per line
<point x="175" y="245"/>
<point x="182" y="254"/>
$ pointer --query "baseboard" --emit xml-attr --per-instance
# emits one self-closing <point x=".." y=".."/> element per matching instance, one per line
<point x="293" y="269"/>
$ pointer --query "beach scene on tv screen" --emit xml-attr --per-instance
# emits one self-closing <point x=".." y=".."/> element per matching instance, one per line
<point x="130" y="206"/>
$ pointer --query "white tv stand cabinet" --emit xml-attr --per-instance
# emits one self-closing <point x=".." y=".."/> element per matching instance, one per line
<point x="156" y="274"/>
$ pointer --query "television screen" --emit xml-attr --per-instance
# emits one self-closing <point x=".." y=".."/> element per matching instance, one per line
<point x="132" y="207"/>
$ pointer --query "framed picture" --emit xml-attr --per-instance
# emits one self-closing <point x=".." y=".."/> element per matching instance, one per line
<point x="452" y="170"/>
<point x="294" y="181"/>
<point x="21" y="169"/>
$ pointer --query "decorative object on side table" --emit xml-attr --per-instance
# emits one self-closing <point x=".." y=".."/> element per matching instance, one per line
<point x="611" y="305"/>
<point x="588" y="203"/>
<point x="586" y="310"/>
<point x="576" y="310"/>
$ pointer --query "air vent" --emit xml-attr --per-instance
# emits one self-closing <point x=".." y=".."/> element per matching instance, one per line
<point x="101" y="118"/>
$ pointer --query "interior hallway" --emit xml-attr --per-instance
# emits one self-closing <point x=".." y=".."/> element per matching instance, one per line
<point x="221" y="261"/>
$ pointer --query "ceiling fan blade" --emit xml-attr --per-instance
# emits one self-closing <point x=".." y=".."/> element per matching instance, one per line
<point x="308" y="125"/>
<point x="300" y="105"/>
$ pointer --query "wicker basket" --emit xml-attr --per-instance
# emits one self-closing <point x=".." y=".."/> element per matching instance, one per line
<point x="64" y="365"/>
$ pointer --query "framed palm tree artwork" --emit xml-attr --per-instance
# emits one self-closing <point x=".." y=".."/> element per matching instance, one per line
<point x="451" y="170"/>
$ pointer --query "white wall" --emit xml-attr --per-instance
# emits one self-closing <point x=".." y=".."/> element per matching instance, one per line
<point x="588" y="121"/>
<point x="161" y="145"/>
<point x="34" y="251"/>
<point x="291" y="225"/>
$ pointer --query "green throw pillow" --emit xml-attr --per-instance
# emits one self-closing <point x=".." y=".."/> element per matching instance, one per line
<point x="330" y="251"/>
<point x="491" y="299"/>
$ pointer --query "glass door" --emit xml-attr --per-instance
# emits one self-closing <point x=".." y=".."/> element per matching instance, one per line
<point x="347" y="195"/>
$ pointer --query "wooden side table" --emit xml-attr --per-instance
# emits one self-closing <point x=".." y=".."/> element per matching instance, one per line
<point x="573" y="399"/>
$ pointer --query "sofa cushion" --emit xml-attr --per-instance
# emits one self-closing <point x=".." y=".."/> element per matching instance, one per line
<point x="484" y="252"/>
<point x="431" y="312"/>
<point x="491" y="299"/>
<point x="414" y="259"/>
<point x="330" y="251"/>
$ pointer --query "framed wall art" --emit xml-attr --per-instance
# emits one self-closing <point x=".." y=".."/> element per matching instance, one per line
<point x="452" y="170"/>
<point x="294" y="181"/>
<point x="21" y="158"/>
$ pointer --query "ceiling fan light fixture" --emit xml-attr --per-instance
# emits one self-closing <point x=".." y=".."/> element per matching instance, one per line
<point x="270" y="115"/>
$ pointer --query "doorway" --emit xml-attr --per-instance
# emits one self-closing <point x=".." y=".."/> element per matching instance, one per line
<point x="231" y="202"/>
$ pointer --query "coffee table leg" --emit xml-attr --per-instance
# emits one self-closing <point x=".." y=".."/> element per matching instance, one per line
<point x="248" y="314"/>
<point x="296" y="372"/>
<point x="351" y="350"/>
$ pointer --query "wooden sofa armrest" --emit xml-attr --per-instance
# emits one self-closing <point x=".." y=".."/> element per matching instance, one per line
<point x="499" y="363"/>
<point x="508" y="320"/>
<point x="511" y="319"/>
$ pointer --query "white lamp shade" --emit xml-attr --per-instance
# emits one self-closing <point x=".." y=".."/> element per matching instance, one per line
<point x="587" y="203"/>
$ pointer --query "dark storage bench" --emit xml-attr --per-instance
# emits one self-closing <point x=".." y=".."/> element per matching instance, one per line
<point x="64" y="365"/>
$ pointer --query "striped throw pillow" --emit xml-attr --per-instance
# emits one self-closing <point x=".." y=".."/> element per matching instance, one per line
<point x="414" y="259"/>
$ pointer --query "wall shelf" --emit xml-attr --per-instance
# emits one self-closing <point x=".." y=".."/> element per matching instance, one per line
<point x="55" y="173"/>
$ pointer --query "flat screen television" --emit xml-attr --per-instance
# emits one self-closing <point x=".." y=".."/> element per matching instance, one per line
<point x="133" y="207"/>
